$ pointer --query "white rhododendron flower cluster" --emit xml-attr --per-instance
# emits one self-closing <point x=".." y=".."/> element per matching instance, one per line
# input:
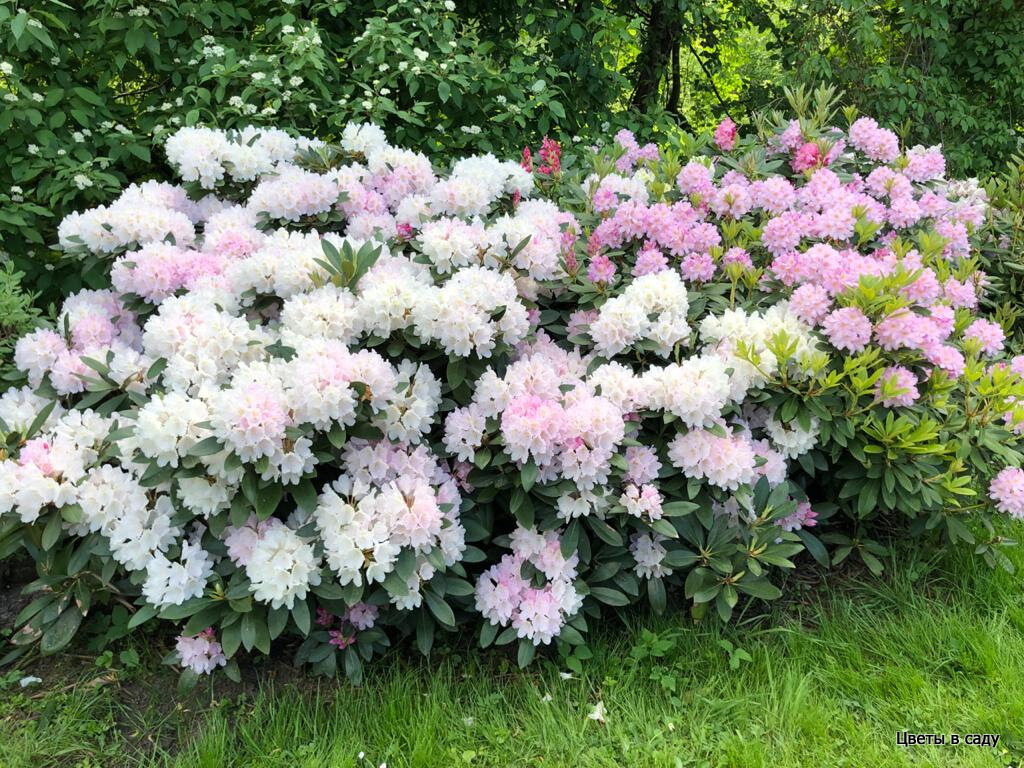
<point x="350" y="393"/>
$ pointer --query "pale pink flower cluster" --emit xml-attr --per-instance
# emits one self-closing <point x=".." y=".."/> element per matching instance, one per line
<point x="281" y="564"/>
<point x="1007" y="491"/>
<point x="648" y="552"/>
<point x="537" y="611"/>
<point x="393" y="498"/>
<point x="726" y="462"/>
<point x="877" y="143"/>
<point x="201" y="653"/>
<point x="99" y="326"/>
<point x="848" y="329"/>
<point x="159" y="270"/>
<point x="987" y="335"/>
<point x="642" y="501"/>
<point x="148" y="213"/>
<point x="632" y="152"/>
<point x="897" y="387"/>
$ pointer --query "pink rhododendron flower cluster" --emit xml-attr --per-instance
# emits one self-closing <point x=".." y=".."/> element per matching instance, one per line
<point x="536" y="612"/>
<point x="1007" y="491"/>
<point x="201" y="653"/>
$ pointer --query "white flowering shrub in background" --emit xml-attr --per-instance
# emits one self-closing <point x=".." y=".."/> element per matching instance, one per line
<point x="341" y="395"/>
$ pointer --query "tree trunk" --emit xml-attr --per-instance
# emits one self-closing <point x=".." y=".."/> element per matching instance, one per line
<point x="673" y="94"/>
<point x="661" y="37"/>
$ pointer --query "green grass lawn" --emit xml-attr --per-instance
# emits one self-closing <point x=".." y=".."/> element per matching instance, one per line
<point x="828" y="679"/>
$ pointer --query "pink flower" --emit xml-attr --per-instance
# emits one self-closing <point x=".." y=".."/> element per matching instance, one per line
<point x="1007" y="491"/>
<point x="808" y="156"/>
<point x="847" y="328"/>
<point x="902" y="328"/>
<point x="550" y="157"/>
<point x="404" y="231"/>
<point x="802" y="517"/>
<point x="732" y="200"/>
<point x="988" y="336"/>
<point x="340" y="640"/>
<point x="649" y="261"/>
<point x="527" y="161"/>
<point x="202" y="653"/>
<point x="362" y="615"/>
<point x="901" y="385"/>
<point x="946" y="358"/>
<point x="725" y="135"/>
<point x="738" y="256"/>
<point x="698" y="267"/>
<point x="37" y="453"/>
<point x="810" y="303"/>
<point x="601" y="269"/>
<point x="960" y="294"/>
<point x="695" y="179"/>
<point x="643" y="464"/>
<point x="877" y="143"/>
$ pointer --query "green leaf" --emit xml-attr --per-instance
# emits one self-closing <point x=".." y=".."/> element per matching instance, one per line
<point x="761" y="588"/>
<point x="814" y="547"/>
<point x="424" y="633"/>
<point x="488" y="632"/>
<point x="267" y="500"/>
<point x="207" y="447"/>
<point x="527" y="650"/>
<point x="456" y="371"/>
<point x="656" y="594"/>
<point x="248" y="631"/>
<point x="88" y="96"/>
<point x="522" y="508"/>
<point x="40" y="419"/>
<point x="52" y="531"/>
<point x="570" y="539"/>
<point x="19" y="25"/>
<point x="678" y="508"/>
<point x="300" y="612"/>
<point x="305" y="495"/>
<point x="135" y="39"/>
<point x="141" y="616"/>
<point x="441" y="610"/>
<point x="680" y="558"/>
<point x="277" y="620"/>
<point x="232" y="671"/>
<point x="59" y="634"/>
<point x="187" y="681"/>
<point x="528" y="475"/>
<point x="665" y="528"/>
<point x="353" y="666"/>
<point x="609" y="596"/>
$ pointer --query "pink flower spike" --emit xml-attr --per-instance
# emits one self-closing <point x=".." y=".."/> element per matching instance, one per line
<point x="725" y="135"/>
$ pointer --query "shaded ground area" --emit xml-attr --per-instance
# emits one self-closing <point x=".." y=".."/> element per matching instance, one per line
<point x="826" y="680"/>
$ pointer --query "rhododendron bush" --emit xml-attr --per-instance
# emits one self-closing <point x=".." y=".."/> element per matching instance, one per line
<point x="336" y="395"/>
